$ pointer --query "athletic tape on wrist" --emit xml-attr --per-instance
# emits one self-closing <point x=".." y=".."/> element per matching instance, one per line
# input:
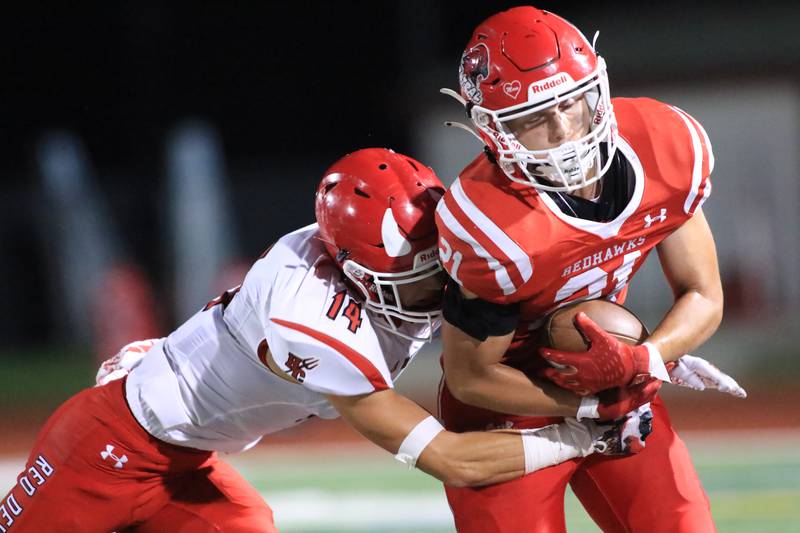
<point x="552" y="445"/>
<point x="417" y="440"/>
<point x="588" y="408"/>
<point x="656" y="363"/>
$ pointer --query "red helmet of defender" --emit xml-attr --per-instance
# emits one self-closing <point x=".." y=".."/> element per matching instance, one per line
<point x="375" y="210"/>
<point x="525" y="60"/>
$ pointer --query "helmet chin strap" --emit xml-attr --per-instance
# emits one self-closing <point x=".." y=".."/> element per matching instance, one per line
<point x="551" y="174"/>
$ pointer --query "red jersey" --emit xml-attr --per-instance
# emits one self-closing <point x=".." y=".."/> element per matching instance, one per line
<point x="509" y="243"/>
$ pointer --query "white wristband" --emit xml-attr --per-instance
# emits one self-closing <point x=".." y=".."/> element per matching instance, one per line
<point x="588" y="408"/>
<point x="417" y="440"/>
<point x="656" y="363"/>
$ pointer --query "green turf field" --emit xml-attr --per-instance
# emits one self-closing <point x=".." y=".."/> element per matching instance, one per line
<point x="754" y="487"/>
<point x="753" y="480"/>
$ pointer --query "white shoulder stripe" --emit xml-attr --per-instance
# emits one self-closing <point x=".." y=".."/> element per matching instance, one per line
<point x="707" y="142"/>
<point x="697" y="168"/>
<point x="495" y="234"/>
<point x="500" y="273"/>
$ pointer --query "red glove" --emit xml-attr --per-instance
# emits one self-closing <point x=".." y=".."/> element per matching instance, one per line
<point x="607" y="363"/>
<point x="613" y="404"/>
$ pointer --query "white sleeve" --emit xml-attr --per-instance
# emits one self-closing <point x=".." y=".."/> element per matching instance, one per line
<point x="324" y="363"/>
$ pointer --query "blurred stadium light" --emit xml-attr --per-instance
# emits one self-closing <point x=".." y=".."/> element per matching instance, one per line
<point x="203" y="239"/>
<point x="78" y="230"/>
<point x="278" y="104"/>
<point x="102" y="298"/>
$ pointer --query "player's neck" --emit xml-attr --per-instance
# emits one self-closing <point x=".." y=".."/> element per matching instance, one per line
<point x="590" y="192"/>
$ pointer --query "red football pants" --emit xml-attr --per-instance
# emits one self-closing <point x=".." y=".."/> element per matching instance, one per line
<point x="654" y="491"/>
<point x="94" y="469"/>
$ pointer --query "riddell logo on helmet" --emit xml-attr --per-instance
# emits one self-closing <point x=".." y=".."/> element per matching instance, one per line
<point x="426" y="256"/>
<point x="599" y="114"/>
<point x="550" y="83"/>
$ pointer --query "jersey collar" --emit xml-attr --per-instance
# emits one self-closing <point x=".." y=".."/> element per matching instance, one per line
<point x="606" y="230"/>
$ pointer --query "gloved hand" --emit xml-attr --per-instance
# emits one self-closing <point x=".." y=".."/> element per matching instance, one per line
<point x="606" y="364"/>
<point x="698" y="374"/>
<point x="626" y="435"/>
<point x="615" y="403"/>
<point x="123" y="362"/>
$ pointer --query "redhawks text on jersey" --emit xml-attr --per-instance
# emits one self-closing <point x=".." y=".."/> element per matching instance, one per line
<point x="508" y="242"/>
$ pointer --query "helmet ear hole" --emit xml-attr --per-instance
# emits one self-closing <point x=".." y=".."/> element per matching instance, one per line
<point x="383" y="166"/>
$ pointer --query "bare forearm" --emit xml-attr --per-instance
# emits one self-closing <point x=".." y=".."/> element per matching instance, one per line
<point x="458" y="459"/>
<point x="387" y="418"/>
<point x="472" y="459"/>
<point x="692" y="319"/>
<point x="689" y="261"/>
<point x="476" y="377"/>
<point x="507" y="390"/>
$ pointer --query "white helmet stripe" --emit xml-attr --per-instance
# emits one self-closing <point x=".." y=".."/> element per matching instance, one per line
<point x="395" y="244"/>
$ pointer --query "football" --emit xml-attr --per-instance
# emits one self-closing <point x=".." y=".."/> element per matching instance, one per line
<point x="561" y="333"/>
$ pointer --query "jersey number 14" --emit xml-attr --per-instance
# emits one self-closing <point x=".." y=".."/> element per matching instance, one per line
<point x="352" y="311"/>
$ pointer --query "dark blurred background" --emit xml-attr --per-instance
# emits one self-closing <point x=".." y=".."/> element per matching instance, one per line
<point x="149" y="151"/>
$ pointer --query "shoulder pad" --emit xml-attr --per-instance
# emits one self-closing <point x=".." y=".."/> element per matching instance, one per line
<point x="671" y="144"/>
<point x="318" y="335"/>
<point x="478" y="168"/>
<point x="477" y="252"/>
<point x="323" y="362"/>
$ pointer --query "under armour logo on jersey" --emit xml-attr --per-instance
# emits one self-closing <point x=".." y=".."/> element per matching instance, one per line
<point x="661" y="217"/>
<point x="297" y="367"/>
<point x="109" y="452"/>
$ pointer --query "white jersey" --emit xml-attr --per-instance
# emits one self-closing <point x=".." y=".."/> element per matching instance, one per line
<point x="263" y="360"/>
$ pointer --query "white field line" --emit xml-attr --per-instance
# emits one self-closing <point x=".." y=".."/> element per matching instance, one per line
<point x="371" y="511"/>
<point x="10" y="468"/>
<point x="361" y="510"/>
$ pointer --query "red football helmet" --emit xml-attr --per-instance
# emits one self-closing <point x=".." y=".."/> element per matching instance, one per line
<point x="522" y="61"/>
<point x="375" y="210"/>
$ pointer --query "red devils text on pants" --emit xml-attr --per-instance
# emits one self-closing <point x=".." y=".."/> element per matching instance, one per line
<point x="93" y="469"/>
